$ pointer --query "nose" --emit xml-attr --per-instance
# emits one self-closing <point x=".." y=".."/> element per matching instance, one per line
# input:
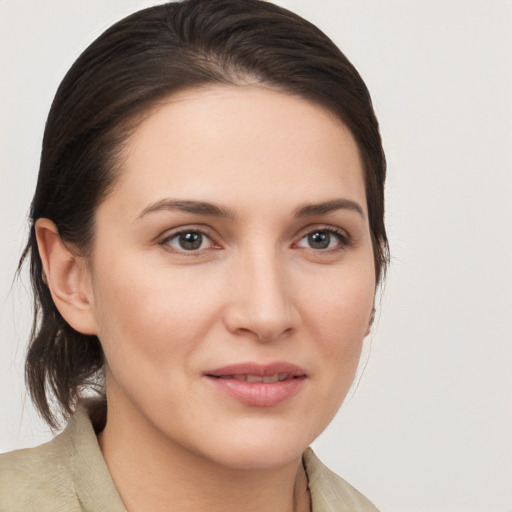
<point x="262" y="300"/>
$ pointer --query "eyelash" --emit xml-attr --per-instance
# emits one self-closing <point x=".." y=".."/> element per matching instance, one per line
<point x="344" y="240"/>
<point x="166" y="241"/>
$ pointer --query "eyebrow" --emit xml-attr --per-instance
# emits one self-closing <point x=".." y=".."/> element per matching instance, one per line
<point x="309" y="210"/>
<point x="196" y="207"/>
<point x="210" y="209"/>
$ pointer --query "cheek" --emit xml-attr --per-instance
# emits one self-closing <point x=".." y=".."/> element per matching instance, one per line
<point x="147" y="314"/>
<point x="341" y="308"/>
<point x="338" y="317"/>
<point x="340" y="332"/>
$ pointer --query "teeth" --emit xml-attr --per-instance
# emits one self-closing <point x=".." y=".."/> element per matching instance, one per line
<point x="254" y="378"/>
<point x="277" y="377"/>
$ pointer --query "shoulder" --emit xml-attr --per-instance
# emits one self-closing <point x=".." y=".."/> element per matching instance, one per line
<point x="37" y="479"/>
<point x="329" y="492"/>
<point x="67" y="474"/>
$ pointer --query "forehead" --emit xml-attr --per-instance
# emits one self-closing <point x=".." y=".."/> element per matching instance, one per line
<point x="242" y="142"/>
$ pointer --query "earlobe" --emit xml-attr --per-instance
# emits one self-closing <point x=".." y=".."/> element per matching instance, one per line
<point x="66" y="277"/>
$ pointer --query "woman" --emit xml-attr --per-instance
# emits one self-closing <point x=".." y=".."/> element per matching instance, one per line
<point x="207" y="237"/>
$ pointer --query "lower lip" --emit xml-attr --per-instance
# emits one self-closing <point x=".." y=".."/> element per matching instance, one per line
<point x="259" y="394"/>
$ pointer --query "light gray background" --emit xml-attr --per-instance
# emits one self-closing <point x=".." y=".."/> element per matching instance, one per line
<point x="429" y="427"/>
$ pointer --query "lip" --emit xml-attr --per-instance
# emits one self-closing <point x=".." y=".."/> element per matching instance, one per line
<point x="230" y="380"/>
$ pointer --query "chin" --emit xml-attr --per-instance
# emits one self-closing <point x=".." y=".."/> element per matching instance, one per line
<point x="253" y="457"/>
<point x="258" y="448"/>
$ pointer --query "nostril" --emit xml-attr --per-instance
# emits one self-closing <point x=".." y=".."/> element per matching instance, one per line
<point x="265" y="312"/>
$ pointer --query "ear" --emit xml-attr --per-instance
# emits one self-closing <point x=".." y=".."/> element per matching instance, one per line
<point x="67" y="277"/>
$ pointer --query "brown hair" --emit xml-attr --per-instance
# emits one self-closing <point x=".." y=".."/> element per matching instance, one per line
<point x="119" y="77"/>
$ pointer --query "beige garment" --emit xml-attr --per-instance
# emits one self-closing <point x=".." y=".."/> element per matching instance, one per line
<point x="69" y="474"/>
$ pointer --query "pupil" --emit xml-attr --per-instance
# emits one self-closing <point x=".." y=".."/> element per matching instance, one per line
<point x="319" y="240"/>
<point x="191" y="241"/>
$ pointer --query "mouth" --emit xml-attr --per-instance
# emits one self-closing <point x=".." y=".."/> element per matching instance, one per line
<point x="277" y="377"/>
<point x="258" y="385"/>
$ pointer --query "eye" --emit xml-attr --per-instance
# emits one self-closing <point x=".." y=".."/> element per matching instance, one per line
<point x="323" y="239"/>
<point x="188" y="241"/>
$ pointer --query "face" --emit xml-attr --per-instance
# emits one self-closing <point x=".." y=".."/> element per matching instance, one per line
<point x="232" y="276"/>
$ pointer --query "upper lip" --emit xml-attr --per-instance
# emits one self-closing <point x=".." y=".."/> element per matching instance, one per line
<point x="256" y="369"/>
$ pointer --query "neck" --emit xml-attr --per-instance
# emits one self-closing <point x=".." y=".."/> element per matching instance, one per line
<point x="152" y="473"/>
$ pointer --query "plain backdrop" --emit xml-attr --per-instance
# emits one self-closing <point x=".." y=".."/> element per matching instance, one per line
<point x="429" y="425"/>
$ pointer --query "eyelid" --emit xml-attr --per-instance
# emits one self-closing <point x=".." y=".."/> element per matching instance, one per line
<point x="346" y="239"/>
<point x="164" y="239"/>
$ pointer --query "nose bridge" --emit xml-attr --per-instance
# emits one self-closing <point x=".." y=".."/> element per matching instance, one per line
<point x="262" y="302"/>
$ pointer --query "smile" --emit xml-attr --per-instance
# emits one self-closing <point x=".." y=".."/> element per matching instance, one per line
<point x="258" y="385"/>
<point x="277" y="377"/>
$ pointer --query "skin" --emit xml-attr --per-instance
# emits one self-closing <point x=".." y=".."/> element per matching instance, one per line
<point x="258" y="289"/>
